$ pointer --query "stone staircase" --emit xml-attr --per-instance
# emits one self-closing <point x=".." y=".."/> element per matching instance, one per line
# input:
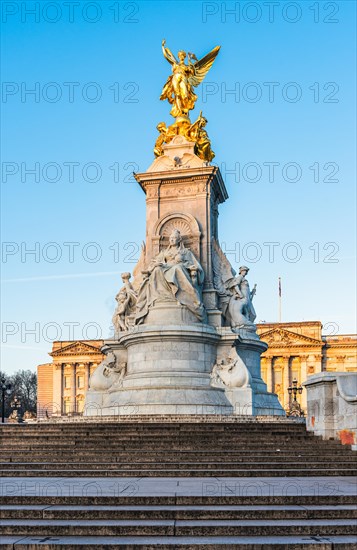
<point x="175" y="483"/>
<point x="134" y="449"/>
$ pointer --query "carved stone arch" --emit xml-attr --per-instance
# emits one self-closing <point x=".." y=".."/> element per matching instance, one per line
<point x="186" y="224"/>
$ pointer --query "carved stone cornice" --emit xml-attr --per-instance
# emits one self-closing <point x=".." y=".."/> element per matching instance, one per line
<point x="280" y="338"/>
<point x="208" y="175"/>
<point x="340" y="343"/>
<point x="76" y="349"/>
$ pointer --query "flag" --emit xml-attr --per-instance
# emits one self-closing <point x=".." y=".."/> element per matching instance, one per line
<point x="279" y="287"/>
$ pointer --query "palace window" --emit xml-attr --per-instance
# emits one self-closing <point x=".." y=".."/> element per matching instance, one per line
<point x="67" y="382"/>
<point x="80" y="381"/>
<point x="80" y="404"/>
<point x="295" y="375"/>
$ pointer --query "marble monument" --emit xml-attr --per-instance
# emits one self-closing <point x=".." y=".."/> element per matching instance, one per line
<point x="184" y="341"/>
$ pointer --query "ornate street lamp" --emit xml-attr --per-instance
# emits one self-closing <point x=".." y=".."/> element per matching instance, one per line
<point x="295" y="408"/>
<point x="16" y="405"/>
<point x="5" y="390"/>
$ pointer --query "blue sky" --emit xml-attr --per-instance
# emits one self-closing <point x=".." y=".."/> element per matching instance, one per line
<point x="97" y="75"/>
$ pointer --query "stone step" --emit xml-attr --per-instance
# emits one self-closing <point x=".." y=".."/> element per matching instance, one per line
<point x="147" y="433"/>
<point x="178" y="512"/>
<point x="166" y="433"/>
<point x="183" y="465"/>
<point x="173" y="430"/>
<point x="192" y="472"/>
<point x="168" y="445"/>
<point x="236" y="436"/>
<point x="147" y="460"/>
<point x="107" y="445"/>
<point x="296" y="542"/>
<point x="158" y="453"/>
<point x="255" y="453"/>
<point x="82" y="500"/>
<point x="310" y="452"/>
<point x="147" y="438"/>
<point x="83" y="426"/>
<point x="136" y="433"/>
<point x="171" y="422"/>
<point x="244" y="527"/>
<point x="174" y="448"/>
<point x="278" y="453"/>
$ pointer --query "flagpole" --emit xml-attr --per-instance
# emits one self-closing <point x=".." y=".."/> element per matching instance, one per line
<point x="279" y="299"/>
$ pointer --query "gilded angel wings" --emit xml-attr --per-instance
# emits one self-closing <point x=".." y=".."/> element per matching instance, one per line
<point x="178" y="89"/>
<point x="202" y="66"/>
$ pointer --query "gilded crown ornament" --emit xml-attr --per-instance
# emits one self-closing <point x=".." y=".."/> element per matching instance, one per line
<point x="179" y="91"/>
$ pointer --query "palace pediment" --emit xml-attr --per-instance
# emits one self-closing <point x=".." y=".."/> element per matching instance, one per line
<point x="280" y="337"/>
<point x="76" y="348"/>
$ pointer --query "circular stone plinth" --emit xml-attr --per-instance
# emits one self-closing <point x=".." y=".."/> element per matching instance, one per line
<point x="168" y="372"/>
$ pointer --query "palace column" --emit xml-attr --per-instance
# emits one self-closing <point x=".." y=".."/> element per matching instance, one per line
<point x="86" y="376"/>
<point x="303" y="377"/>
<point x="318" y="363"/>
<point x="340" y="360"/>
<point x="286" y="379"/>
<point x="269" y="364"/>
<point x="73" y="387"/>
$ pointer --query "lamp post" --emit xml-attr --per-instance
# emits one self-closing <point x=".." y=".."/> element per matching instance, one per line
<point x="295" y="408"/>
<point x="5" y="390"/>
<point x="16" y="405"/>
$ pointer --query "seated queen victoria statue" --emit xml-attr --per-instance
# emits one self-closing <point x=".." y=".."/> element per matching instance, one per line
<point x="174" y="275"/>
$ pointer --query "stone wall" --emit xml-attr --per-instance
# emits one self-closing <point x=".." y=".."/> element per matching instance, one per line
<point x="44" y="390"/>
<point x="332" y="406"/>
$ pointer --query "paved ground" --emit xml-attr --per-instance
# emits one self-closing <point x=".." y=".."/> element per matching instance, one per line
<point x="237" y="542"/>
<point x="171" y="486"/>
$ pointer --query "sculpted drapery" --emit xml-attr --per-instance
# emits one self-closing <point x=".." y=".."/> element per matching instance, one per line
<point x="173" y="275"/>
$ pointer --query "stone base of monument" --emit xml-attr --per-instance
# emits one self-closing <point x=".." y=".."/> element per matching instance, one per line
<point x="159" y="401"/>
<point x="249" y="394"/>
<point x="247" y="401"/>
<point x="169" y="371"/>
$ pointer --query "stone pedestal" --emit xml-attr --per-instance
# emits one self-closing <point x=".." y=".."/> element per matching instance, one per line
<point x="252" y="397"/>
<point x="186" y="197"/>
<point x="332" y="406"/>
<point x="168" y="372"/>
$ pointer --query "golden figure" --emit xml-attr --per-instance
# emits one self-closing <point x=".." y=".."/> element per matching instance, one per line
<point x="192" y="132"/>
<point x="160" y="140"/>
<point x="165" y="136"/>
<point x="200" y="137"/>
<point x="178" y="89"/>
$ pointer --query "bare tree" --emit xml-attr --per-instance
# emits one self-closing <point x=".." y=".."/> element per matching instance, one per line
<point x="24" y="387"/>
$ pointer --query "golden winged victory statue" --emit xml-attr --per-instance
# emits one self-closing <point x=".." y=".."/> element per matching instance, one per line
<point x="179" y="91"/>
